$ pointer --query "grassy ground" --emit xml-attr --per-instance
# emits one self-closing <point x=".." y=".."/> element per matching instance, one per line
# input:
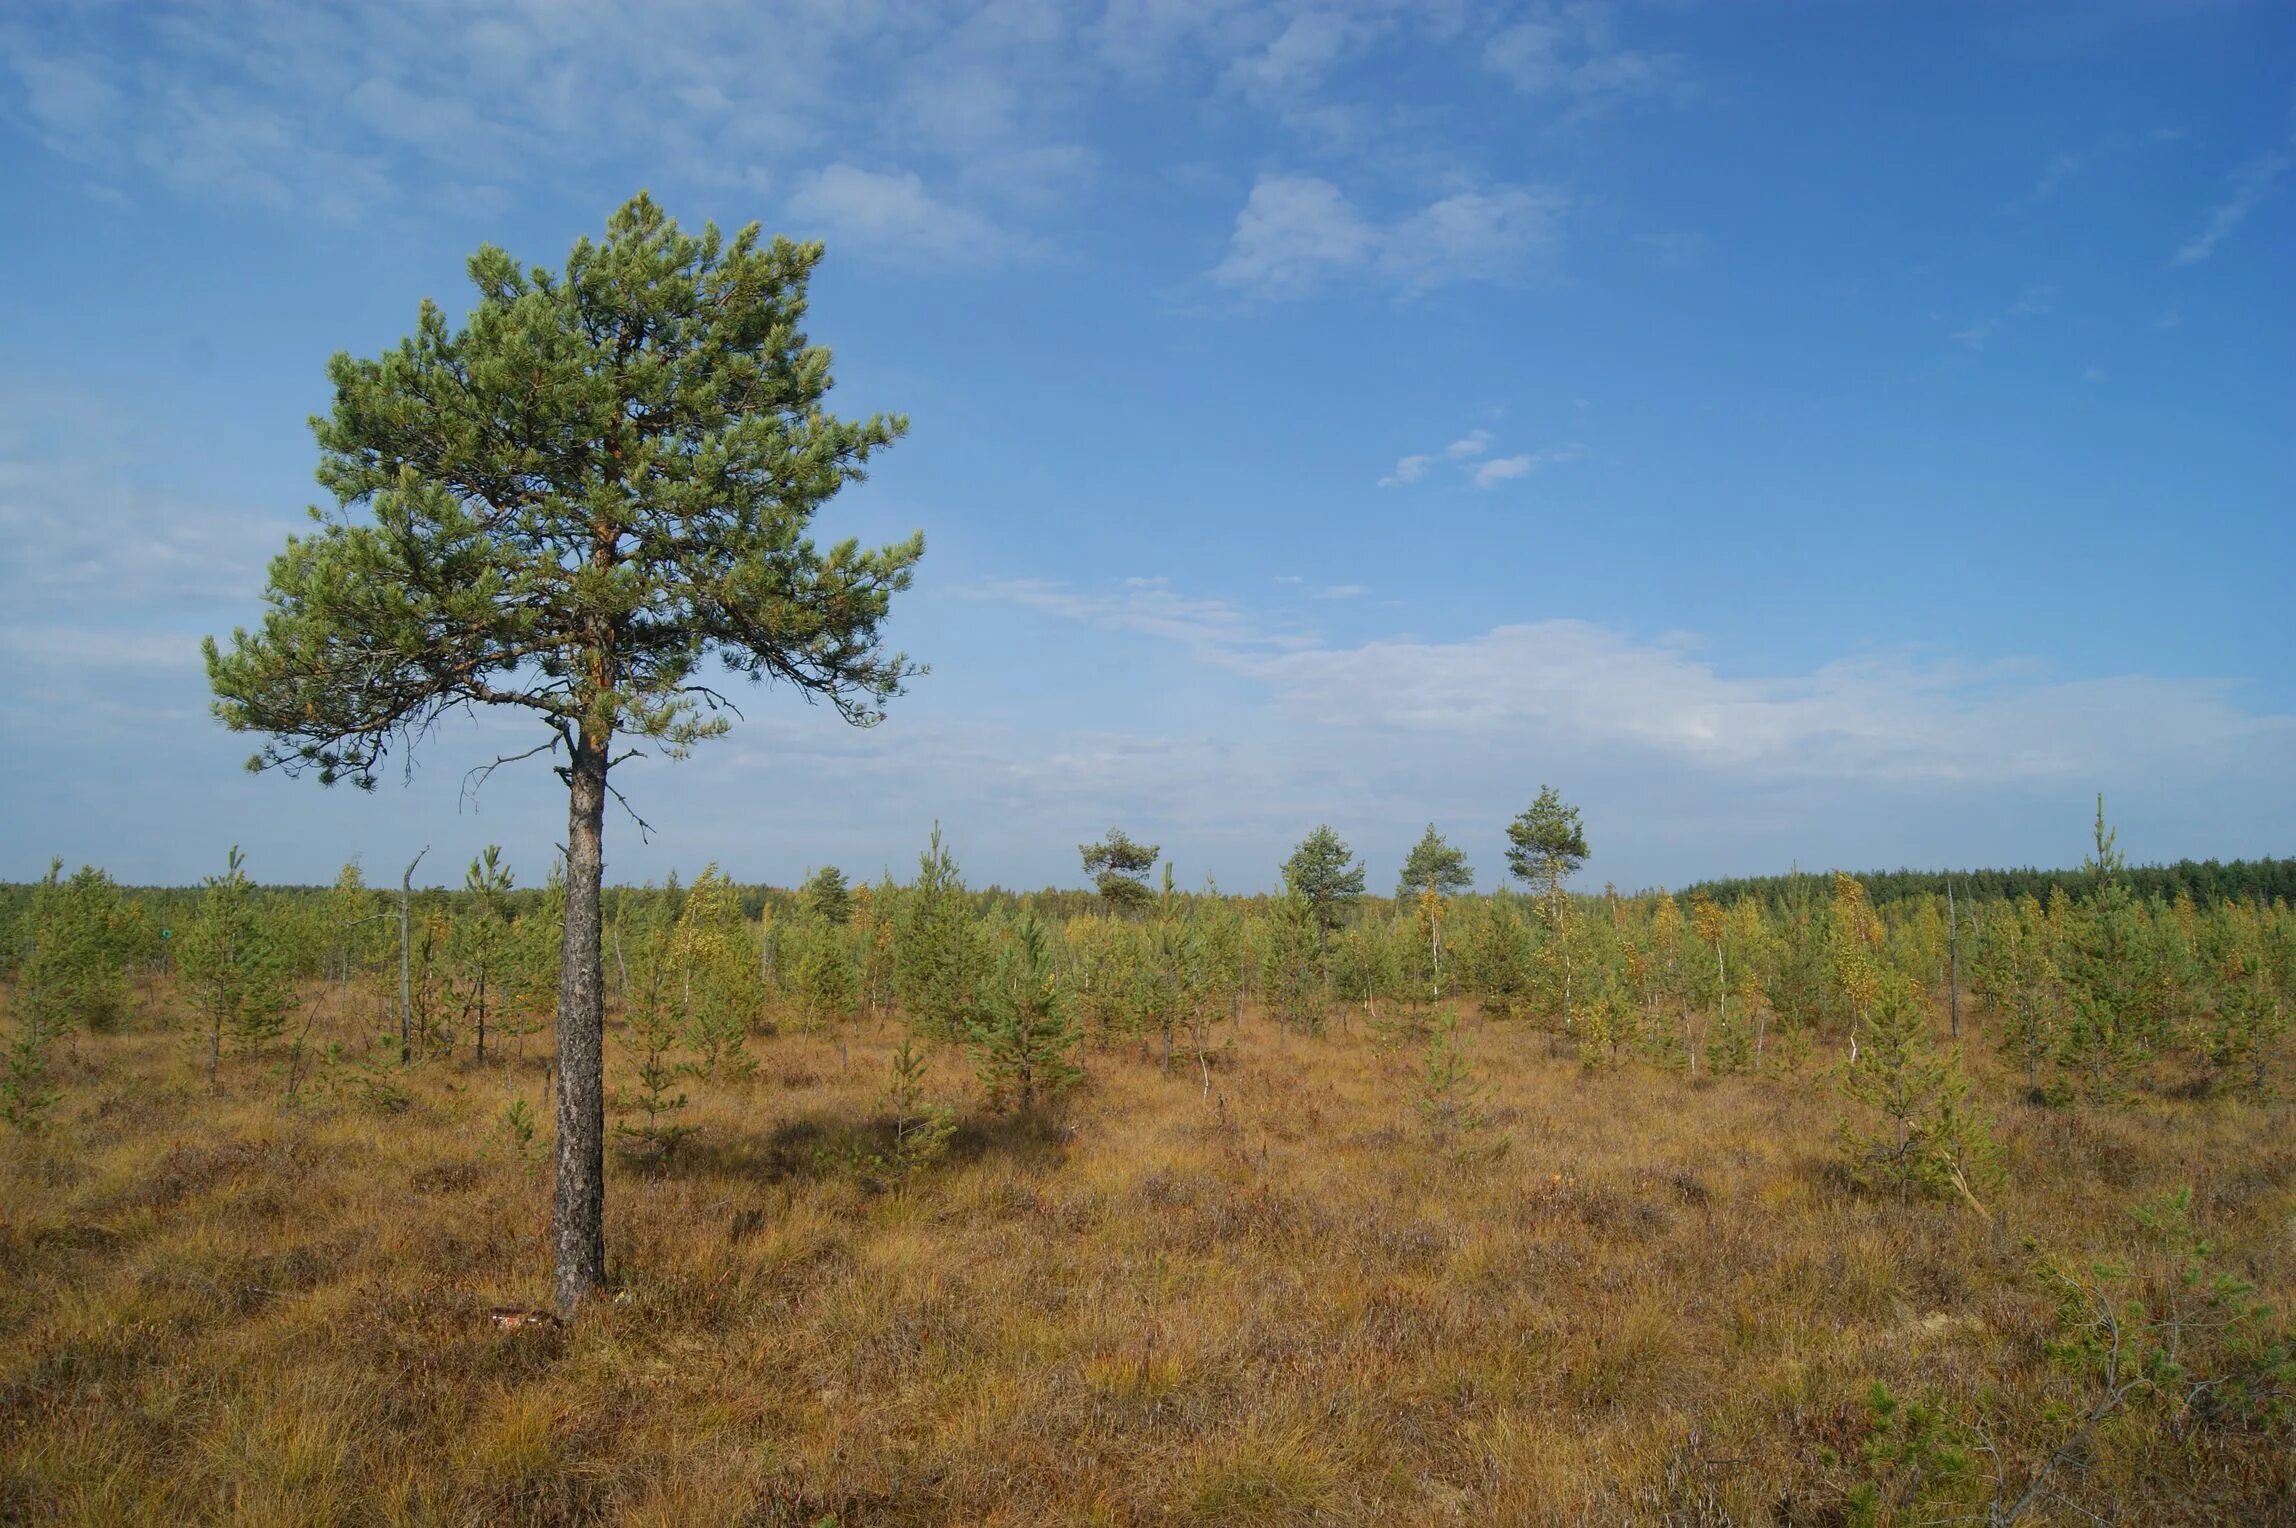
<point x="1265" y="1298"/>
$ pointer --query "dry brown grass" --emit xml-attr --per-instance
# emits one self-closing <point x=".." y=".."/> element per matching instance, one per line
<point x="1284" y="1304"/>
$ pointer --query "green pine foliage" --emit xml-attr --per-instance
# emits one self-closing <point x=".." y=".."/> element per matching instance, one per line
<point x="1020" y="1034"/>
<point x="1119" y="869"/>
<point x="938" y="954"/>
<point x="1291" y="982"/>
<point x="83" y="934"/>
<point x="478" y="946"/>
<point x="827" y="896"/>
<point x="568" y="505"/>
<point x="921" y="1127"/>
<point x="1921" y="1130"/>
<point x="823" y="978"/>
<point x="1325" y="874"/>
<point x="28" y="1091"/>
<point x="234" y="968"/>
<point x="1434" y="864"/>
<point x="717" y="989"/>
<point x="2108" y="967"/>
<point x="647" y="1112"/>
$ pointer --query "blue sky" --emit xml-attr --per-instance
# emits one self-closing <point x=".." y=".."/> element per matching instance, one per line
<point x="1844" y="435"/>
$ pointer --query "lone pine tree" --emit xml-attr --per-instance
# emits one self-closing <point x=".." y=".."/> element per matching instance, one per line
<point x="1119" y="869"/>
<point x="1546" y="846"/>
<point x="1325" y="873"/>
<point x="565" y="506"/>
<point x="1433" y="870"/>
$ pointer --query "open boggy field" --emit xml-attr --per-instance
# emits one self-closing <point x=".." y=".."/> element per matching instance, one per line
<point x="1267" y="1290"/>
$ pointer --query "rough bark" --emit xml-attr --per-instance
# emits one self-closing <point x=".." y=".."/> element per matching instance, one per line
<point x="578" y="1207"/>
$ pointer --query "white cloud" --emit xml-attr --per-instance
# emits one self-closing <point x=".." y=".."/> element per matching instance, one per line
<point x="1886" y="719"/>
<point x="1295" y="233"/>
<point x="1473" y="236"/>
<point x="1467" y="452"/>
<point x="2249" y="189"/>
<point x="1674" y="251"/>
<point x="2033" y="302"/>
<point x="1298" y="57"/>
<point x="1044" y="178"/>
<point x="893" y="216"/>
<point x="78" y="536"/>
<point x="1151" y="607"/>
<point x="1411" y="469"/>
<point x="2060" y="169"/>
<point x="2036" y="301"/>
<point x="1343" y="592"/>
<point x="1571" y="52"/>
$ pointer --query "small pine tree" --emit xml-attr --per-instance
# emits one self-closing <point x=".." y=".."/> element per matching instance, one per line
<point x="827" y="897"/>
<point x="1451" y="1100"/>
<point x="648" y="1111"/>
<point x="234" y="968"/>
<point x="1605" y="1025"/>
<point x="1021" y="1033"/>
<point x="1853" y="934"/>
<point x="2247" y="1015"/>
<point x="1730" y="1042"/>
<point x="2108" y="968"/>
<point x="27" y="1089"/>
<point x="479" y="943"/>
<point x="1932" y="1137"/>
<point x="535" y="941"/>
<point x="1289" y="982"/>
<point x="824" y="979"/>
<point x="1546" y="846"/>
<point x="1119" y="869"/>
<point x="75" y="975"/>
<point x="718" y="990"/>
<point x="921" y="1128"/>
<point x="937" y="953"/>
<point x="1324" y="872"/>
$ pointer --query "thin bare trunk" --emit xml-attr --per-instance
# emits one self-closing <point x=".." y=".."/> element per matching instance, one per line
<point x="406" y="961"/>
<point x="1953" y="955"/>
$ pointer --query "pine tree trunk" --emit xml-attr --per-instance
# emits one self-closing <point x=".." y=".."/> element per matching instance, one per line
<point x="1953" y="955"/>
<point x="406" y="967"/>
<point x="578" y="1229"/>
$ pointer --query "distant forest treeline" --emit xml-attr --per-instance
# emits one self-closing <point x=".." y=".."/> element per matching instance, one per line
<point x="2207" y="881"/>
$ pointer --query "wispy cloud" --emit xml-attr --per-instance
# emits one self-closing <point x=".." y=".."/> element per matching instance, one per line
<point x="2033" y="302"/>
<point x="891" y="216"/>
<point x="1295" y="234"/>
<point x="2060" y="169"/>
<point x="1151" y="607"/>
<point x="1572" y="52"/>
<point x="79" y="537"/>
<point x="1893" y="718"/>
<point x="1411" y="469"/>
<point x="2250" y="186"/>
<point x="1468" y="453"/>
<point x="1675" y="251"/>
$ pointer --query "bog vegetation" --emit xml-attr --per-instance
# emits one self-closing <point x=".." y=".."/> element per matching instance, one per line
<point x="1144" y="1204"/>
<point x="1827" y="1200"/>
